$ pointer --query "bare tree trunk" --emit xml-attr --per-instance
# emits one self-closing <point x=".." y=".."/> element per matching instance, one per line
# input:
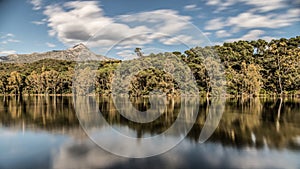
<point x="279" y="77"/>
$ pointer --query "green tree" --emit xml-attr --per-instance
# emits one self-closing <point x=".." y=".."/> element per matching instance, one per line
<point x="251" y="80"/>
<point x="3" y="82"/>
<point x="33" y="82"/>
<point x="282" y="65"/>
<point x="16" y="82"/>
<point x="84" y="83"/>
<point x="52" y="81"/>
<point x="138" y="52"/>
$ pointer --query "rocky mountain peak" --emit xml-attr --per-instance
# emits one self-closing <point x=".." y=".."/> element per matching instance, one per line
<point x="78" y="52"/>
<point x="79" y="46"/>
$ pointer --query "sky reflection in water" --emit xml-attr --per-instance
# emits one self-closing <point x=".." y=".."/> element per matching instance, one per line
<point x="247" y="137"/>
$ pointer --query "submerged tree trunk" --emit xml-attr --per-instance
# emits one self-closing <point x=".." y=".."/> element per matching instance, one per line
<point x="207" y="96"/>
<point x="278" y="114"/>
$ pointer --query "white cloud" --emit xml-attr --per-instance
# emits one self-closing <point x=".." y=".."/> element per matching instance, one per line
<point x="127" y="54"/>
<point x="222" y="34"/>
<point x="82" y="21"/>
<point x="252" y="35"/>
<point x="215" y="24"/>
<point x="221" y="4"/>
<point x="7" y="52"/>
<point x="265" y="6"/>
<point x="126" y="47"/>
<point x="177" y="40"/>
<point x="51" y="32"/>
<point x="207" y="33"/>
<point x="38" y="22"/>
<point x="218" y="43"/>
<point x="37" y="4"/>
<point x="191" y="7"/>
<point x="8" y="35"/>
<point x="13" y="40"/>
<point x="250" y="20"/>
<point x="76" y="22"/>
<point x="164" y="21"/>
<point x="268" y="38"/>
<point x="257" y="5"/>
<point x="213" y="2"/>
<point x="8" y="38"/>
<point x="50" y="45"/>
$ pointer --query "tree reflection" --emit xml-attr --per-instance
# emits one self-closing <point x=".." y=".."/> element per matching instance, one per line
<point x="251" y="123"/>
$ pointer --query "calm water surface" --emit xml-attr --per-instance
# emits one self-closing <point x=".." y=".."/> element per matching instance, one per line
<point x="44" y="132"/>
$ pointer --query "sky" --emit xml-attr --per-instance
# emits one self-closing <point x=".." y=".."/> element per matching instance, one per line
<point x="116" y="27"/>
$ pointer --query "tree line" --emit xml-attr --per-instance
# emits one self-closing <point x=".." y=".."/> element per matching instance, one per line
<point x="252" y="68"/>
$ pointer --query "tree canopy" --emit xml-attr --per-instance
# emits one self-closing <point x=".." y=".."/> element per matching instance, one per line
<point x="251" y="68"/>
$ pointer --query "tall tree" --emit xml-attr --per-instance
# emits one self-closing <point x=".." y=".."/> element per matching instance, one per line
<point x="251" y="79"/>
<point x="33" y="83"/>
<point x="3" y="82"/>
<point x="282" y="66"/>
<point x="16" y="82"/>
<point x="138" y="52"/>
<point x="52" y="81"/>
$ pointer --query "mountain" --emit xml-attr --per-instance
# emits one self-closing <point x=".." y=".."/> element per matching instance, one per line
<point x="76" y="53"/>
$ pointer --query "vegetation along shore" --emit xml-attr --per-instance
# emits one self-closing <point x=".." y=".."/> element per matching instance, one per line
<point x="252" y="68"/>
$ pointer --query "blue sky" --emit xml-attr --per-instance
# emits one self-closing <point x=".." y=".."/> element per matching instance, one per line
<point x="116" y="27"/>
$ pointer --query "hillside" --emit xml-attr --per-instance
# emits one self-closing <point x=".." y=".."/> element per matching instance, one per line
<point x="75" y="53"/>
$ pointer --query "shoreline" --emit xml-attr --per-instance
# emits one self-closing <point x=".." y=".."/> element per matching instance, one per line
<point x="168" y="96"/>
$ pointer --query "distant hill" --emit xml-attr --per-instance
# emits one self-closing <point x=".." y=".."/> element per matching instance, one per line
<point x="76" y="53"/>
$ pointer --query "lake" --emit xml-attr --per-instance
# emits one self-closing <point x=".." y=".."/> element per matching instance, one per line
<point x="44" y="132"/>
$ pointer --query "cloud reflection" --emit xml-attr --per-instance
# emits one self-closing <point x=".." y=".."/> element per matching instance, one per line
<point x="88" y="155"/>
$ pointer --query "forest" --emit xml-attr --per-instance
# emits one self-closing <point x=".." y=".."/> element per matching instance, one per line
<point x="252" y="68"/>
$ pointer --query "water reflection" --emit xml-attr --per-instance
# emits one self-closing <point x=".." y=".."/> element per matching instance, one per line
<point x="244" y="123"/>
<point x="52" y="114"/>
<point x="43" y="132"/>
<point x="123" y="142"/>
<point x="185" y="156"/>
